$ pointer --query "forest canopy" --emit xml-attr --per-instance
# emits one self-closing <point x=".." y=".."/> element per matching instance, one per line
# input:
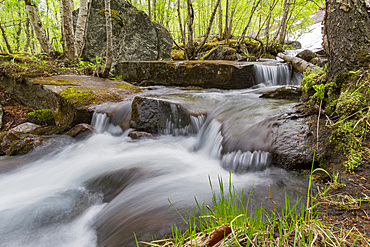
<point x="267" y="20"/>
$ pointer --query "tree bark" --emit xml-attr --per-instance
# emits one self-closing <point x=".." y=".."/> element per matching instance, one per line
<point x="283" y="24"/>
<point x="298" y="64"/>
<point x="209" y="26"/>
<point x="241" y="38"/>
<point x="149" y="11"/>
<point x="109" y="52"/>
<point x="81" y="27"/>
<point x="346" y="34"/>
<point x="28" y="38"/>
<point x="5" y="39"/>
<point x="220" y="22"/>
<point x="190" y="19"/>
<point x="37" y="27"/>
<point x="68" y="34"/>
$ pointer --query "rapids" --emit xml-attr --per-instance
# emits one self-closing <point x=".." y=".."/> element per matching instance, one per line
<point x="51" y="197"/>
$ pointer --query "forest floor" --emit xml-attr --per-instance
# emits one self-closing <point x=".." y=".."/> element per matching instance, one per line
<point x="346" y="204"/>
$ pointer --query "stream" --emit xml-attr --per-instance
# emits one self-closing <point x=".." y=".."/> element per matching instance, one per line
<point x="52" y="197"/>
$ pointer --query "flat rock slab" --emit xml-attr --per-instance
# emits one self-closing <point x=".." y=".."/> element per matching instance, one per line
<point x="205" y="74"/>
<point x="68" y="96"/>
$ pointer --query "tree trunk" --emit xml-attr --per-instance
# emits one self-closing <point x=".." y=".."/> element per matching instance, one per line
<point x="5" y="39"/>
<point x="28" y="38"/>
<point x="68" y="34"/>
<point x="81" y="27"/>
<point x="346" y="34"/>
<point x="298" y="63"/>
<point x="18" y="33"/>
<point x="190" y="19"/>
<point x="283" y="23"/>
<point x="241" y="38"/>
<point x="109" y="54"/>
<point x="149" y="11"/>
<point x="267" y="30"/>
<point x="220" y="21"/>
<point x="37" y="27"/>
<point x="226" y="31"/>
<point x="209" y="26"/>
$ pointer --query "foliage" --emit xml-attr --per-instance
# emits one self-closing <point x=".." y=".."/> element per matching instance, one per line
<point x="44" y="116"/>
<point x="248" y="226"/>
<point x="20" y="35"/>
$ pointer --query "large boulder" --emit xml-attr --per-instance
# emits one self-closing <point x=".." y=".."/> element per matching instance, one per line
<point x="135" y="37"/>
<point x="205" y="74"/>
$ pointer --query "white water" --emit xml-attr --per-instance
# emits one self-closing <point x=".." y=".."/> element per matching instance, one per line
<point x="44" y="200"/>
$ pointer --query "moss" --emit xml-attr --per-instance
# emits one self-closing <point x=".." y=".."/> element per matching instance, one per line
<point x="126" y="86"/>
<point x="311" y="78"/>
<point x="116" y="15"/>
<point x="78" y="95"/>
<point x="178" y="55"/>
<point x="206" y="56"/>
<point x="44" y="116"/>
<point x="54" y="81"/>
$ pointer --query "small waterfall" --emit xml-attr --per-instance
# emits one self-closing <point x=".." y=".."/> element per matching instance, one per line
<point x="241" y="162"/>
<point x="273" y="75"/>
<point x="113" y="118"/>
<point x="209" y="139"/>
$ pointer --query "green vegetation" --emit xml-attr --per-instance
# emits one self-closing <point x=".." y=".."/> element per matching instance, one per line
<point x="45" y="116"/>
<point x="235" y="223"/>
<point x="55" y="81"/>
<point x="346" y="102"/>
<point x="78" y="95"/>
<point x="126" y="86"/>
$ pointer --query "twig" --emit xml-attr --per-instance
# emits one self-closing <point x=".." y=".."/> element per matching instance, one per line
<point x="318" y="125"/>
<point x="271" y="199"/>
<point x="232" y="229"/>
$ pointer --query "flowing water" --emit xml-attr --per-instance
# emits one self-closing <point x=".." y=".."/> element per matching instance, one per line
<point x="51" y="196"/>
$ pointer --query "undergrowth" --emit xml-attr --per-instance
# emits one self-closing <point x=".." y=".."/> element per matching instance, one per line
<point x="229" y="222"/>
<point x="345" y="103"/>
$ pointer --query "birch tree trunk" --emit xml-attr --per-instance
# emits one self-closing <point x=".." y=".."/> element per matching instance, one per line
<point x="346" y="35"/>
<point x="109" y="52"/>
<point x="37" y="27"/>
<point x="283" y="23"/>
<point x="220" y="22"/>
<point x="81" y="27"/>
<point x="68" y="34"/>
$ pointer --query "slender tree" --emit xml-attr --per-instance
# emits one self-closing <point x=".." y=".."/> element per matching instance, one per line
<point x="38" y="28"/>
<point x="109" y="51"/>
<point x="81" y="27"/>
<point x="68" y="33"/>
<point x="242" y="37"/>
<point x="3" y="33"/>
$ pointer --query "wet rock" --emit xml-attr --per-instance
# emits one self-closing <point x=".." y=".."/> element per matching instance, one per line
<point x="293" y="146"/>
<point x="19" y="139"/>
<point x="205" y="74"/>
<point x="290" y="93"/>
<point x="162" y="116"/>
<point x="32" y="94"/>
<point x="140" y="135"/>
<point x="24" y="128"/>
<point x="112" y="183"/>
<point x="25" y="145"/>
<point x="307" y="55"/>
<point x="81" y="130"/>
<point x="135" y="37"/>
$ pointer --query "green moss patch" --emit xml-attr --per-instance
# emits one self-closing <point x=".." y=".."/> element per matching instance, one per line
<point x="78" y="95"/>
<point x="116" y="15"/>
<point x="44" y="116"/>
<point x="126" y="86"/>
<point x="55" y="81"/>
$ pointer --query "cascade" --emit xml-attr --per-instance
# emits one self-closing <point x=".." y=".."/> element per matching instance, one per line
<point x="274" y="74"/>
